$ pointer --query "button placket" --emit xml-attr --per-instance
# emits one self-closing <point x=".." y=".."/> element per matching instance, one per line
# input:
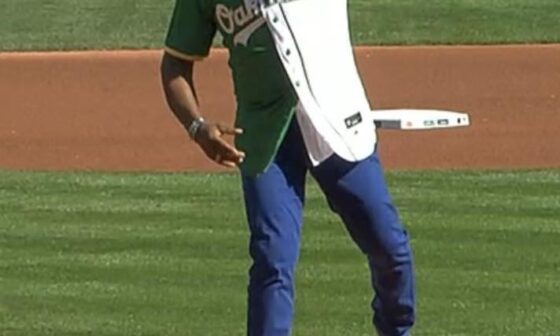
<point x="288" y="45"/>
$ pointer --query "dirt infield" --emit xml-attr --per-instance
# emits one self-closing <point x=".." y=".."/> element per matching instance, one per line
<point x="104" y="110"/>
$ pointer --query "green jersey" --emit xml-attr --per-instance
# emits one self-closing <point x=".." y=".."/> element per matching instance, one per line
<point x="265" y="98"/>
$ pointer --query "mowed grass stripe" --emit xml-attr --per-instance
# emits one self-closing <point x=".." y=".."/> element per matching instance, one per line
<point x="139" y="24"/>
<point x="77" y="24"/>
<point x="406" y="22"/>
<point x="166" y="254"/>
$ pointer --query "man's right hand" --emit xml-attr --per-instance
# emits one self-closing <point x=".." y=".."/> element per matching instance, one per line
<point x="177" y="81"/>
<point x="210" y="137"/>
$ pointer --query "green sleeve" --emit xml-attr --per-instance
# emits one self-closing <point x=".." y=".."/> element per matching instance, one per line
<point x="191" y="30"/>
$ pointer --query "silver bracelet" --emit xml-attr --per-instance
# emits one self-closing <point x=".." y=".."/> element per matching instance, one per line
<point x="194" y="127"/>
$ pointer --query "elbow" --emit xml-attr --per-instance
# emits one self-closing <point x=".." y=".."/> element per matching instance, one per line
<point x="165" y="69"/>
<point x="172" y="68"/>
<point x="167" y="74"/>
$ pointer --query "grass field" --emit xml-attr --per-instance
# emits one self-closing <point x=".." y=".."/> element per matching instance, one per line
<point x="165" y="254"/>
<point x="140" y="254"/>
<point x="134" y="24"/>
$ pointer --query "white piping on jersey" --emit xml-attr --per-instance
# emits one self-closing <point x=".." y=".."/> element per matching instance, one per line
<point x="242" y="37"/>
<point x="242" y="18"/>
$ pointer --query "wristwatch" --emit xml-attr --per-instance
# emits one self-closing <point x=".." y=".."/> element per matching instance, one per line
<point x="194" y="127"/>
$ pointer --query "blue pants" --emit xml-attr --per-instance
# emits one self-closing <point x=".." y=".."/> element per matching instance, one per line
<point x="357" y="192"/>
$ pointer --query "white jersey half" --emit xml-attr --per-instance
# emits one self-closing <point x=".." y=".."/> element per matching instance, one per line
<point x="313" y="41"/>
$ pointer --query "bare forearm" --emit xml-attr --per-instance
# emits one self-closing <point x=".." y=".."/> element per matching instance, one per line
<point x="176" y="76"/>
<point x="177" y="80"/>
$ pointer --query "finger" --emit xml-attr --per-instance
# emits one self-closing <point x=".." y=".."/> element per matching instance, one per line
<point x="228" y="150"/>
<point x="228" y="159"/>
<point x="232" y="158"/>
<point x="229" y="164"/>
<point x="229" y="130"/>
<point x="232" y="161"/>
<point x="237" y="159"/>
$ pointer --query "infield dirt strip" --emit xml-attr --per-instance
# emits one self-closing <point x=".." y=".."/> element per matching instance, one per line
<point x="105" y="110"/>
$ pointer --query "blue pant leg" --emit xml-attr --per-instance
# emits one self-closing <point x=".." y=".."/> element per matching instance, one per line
<point x="274" y="205"/>
<point x="358" y="193"/>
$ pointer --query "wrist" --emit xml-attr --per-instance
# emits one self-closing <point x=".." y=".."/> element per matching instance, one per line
<point x="194" y="127"/>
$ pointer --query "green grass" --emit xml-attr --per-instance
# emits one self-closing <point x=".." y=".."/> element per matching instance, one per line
<point x="165" y="254"/>
<point x="455" y="21"/>
<point x="133" y="24"/>
<point x="82" y="24"/>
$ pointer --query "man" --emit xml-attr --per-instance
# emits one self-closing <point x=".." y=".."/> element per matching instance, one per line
<point x="273" y="143"/>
